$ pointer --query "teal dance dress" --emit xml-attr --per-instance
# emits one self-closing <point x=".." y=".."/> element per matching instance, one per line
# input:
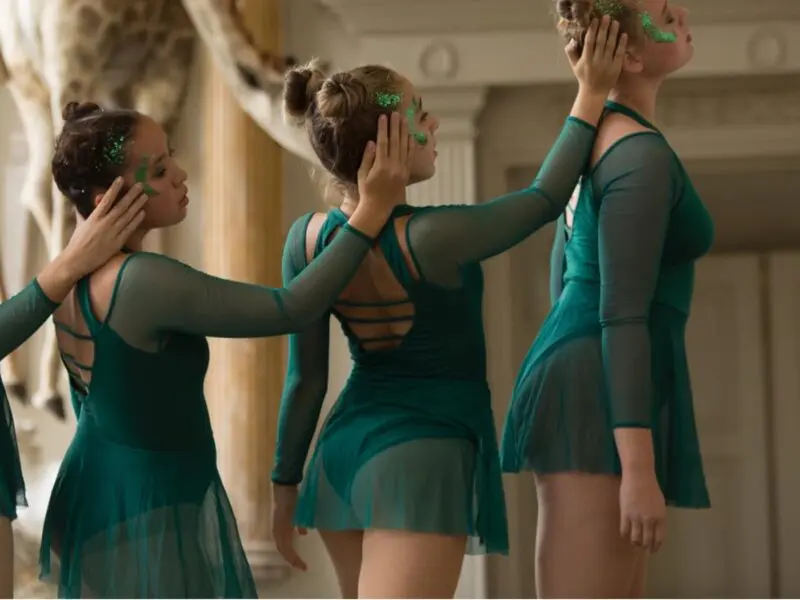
<point x="20" y="317"/>
<point x="138" y="509"/>
<point x="410" y="444"/>
<point x="611" y="353"/>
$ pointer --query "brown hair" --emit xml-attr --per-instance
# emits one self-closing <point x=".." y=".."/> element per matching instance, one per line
<point x="81" y="166"/>
<point x="575" y="16"/>
<point x="340" y="112"/>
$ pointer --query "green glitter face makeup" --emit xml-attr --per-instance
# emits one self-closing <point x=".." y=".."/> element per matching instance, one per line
<point x="655" y="33"/>
<point x="391" y="101"/>
<point x="141" y="176"/>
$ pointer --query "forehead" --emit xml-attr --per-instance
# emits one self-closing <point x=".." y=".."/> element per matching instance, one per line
<point x="149" y="138"/>
<point x="408" y="92"/>
<point x="654" y="7"/>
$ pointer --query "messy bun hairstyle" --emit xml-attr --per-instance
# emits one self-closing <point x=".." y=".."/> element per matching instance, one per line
<point x="80" y="165"/>
<point x="575" y="16"/>
<point x="339" y="112"/>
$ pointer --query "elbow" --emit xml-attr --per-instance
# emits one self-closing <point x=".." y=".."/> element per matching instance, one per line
<point x="552" y="209"/>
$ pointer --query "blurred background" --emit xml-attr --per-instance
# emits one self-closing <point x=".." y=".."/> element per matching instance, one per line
<point x="494" y="73"/>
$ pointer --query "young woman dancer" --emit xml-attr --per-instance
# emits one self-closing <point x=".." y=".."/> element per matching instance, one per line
<point x="93" y="242"/>
<point x="405" y="475"/>
<point x="602" y="409"/>
<point x="138" y="509"/>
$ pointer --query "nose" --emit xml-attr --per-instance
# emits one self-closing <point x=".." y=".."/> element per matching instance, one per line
<point x="434" y="124"/>
<point x="683" y="15"/>
<point x="181" y="176"/>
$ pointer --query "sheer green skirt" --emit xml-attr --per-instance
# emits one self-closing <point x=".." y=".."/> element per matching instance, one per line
<point x="12" y="485"/>
<point x="559" y="419"/>
<point x="131" y="523"/>
<point x="413" y="456"/>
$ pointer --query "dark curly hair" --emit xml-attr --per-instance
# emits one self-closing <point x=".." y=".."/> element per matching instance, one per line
<point x="81" y="164"/>
<point x="340" y="112"/>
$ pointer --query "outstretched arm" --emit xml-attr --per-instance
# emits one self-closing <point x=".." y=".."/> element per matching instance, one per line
<point x="159" y="295"/>
<point x="640" y="181"/>
<point x="446" y="238"/>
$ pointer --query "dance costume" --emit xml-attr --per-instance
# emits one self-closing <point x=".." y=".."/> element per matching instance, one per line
<point x="138" y="509"/>
<point x="611" y="353"/>
<point x="411" y="442"/>
<point x="20" y="317"/>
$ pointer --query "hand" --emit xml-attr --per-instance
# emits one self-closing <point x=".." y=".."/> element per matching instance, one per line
<point x="284" y="501"/>
<point x="597" y="63"/>
<point x="384" y="174"/>
<point x="106" y="230"/>
<point x="643" y="510"/>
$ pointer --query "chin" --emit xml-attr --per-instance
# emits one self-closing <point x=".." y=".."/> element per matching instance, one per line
<point x="422" y="175"/>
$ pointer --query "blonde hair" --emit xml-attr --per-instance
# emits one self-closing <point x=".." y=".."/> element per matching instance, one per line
<point x="575" y="16"/>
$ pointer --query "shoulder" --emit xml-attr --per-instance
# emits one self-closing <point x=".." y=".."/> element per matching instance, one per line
<point x="303" y="235"/>
<point x="618" y="132"/>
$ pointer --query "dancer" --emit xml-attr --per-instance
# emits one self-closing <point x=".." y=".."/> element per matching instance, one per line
<point x="94" y="241"/>
<point x="138" y="509"/>
<point x="405" y="475"/>
<point x="602" y="409"/>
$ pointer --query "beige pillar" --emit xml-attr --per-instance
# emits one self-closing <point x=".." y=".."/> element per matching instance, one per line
<point x="243" y="237"/>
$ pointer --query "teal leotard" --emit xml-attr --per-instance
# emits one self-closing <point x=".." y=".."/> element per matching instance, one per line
<point x="410" y="443"/>
<point x="20" y="317"/>
<point x="611" y="353"/>
<point x="138" y="509"/>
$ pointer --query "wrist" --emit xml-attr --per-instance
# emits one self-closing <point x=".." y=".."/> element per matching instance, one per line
<point x="369" y="220"/>
<point x="589" y="104"/>
<point x="58" y="277"/>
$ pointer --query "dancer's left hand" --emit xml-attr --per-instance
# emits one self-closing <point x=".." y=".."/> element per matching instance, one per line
<point x="284" y="501"/>
<point x="642" y="508"/>
<point x="597" y="62"/>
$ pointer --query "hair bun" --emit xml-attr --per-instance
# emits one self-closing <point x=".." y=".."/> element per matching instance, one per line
<point x="340" y="97"/>
<point x="300" y="87"/>
<point x="575" y="11"/>
<point x="77" y="110"/>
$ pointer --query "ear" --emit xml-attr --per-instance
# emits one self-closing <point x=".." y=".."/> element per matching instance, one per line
<point x="632" y="63"/>
<point x="98" y="199"/>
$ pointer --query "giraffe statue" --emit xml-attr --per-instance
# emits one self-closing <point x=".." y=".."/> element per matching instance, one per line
<point x="124" y="53"/>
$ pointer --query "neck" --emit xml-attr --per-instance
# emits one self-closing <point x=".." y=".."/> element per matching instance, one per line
<point x="637" y="95"/>
<point x="135" y="242"/>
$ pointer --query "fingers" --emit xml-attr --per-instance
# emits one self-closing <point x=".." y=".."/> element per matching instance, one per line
<point x="108" y="198"/>
<point x="131" y="220"/>
<point x="573" y="50"/>
<point x="411" y="148"/>
<point x="613" y="41"/>
<point x="367" y="161"/>
<point x="284" y="544"/>
<point x="394" y="135"/>
<point x="402" y="142"/>
<point x="636" y="532"/>
<point x="599" y="48"/>
<point x="660" y="535"/>
<point x="130" y="197"/>
<point x="382" y="150"/>
<point x="648" y="534"/>
<point x="622" y="49"/>
<point x="590" y="41"/>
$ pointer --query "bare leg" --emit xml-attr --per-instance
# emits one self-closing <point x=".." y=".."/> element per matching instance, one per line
<point x="579" y="550"/>
<point x="639" y="585"/>
<point x="6" y="559"/>
<point x="404" y="564"/>
<point x="344" y="548"/>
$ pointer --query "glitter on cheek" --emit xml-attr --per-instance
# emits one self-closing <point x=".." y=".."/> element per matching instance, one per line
<point x="655" y="33"/>
<point x="418" y="136"/>
<point x="141" y="177"/>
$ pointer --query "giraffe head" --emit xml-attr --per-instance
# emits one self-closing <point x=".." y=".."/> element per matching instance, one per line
<point x="96" y="146"/>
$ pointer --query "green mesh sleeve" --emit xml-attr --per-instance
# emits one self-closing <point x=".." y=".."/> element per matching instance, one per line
<point x="443" y="239"/>
<point x="304" y="387"/>
<point x="21" y="315"/>
<point x="638" y="182"/>
<point x="557" y="258"/>
<point x="157" y="295"/>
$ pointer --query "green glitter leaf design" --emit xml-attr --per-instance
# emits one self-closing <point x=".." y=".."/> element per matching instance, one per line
<point x="141" y="176"/>
<point x="612" y="8"/>
<point x="655" y="33"/>
<point x="114" y="150"/>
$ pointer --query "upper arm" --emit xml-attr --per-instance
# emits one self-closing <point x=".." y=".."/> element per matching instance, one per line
<point x="637" y="186"/>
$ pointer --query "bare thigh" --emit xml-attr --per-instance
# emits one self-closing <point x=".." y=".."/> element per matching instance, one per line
<point x="579" y="550"/>
<point x="344" y="548"/>
<point x="405" y="564"/>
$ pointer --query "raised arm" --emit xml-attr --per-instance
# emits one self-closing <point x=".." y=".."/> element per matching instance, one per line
<point x="156" y="294"/>
<point x="639" y="181"/>
<point x="305" y="385"/>
<point x="22" y="315"/>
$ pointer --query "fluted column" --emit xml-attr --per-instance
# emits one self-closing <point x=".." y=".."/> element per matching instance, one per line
<point x="242" y="240"/>
<point x="456" y="177"/>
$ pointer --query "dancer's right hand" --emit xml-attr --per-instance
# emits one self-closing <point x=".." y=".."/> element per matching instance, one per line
<point x="643" y="510"/>
<point x="284" y="502"/>
<point x="106" y="230"/>
<point x="384" y="175"/>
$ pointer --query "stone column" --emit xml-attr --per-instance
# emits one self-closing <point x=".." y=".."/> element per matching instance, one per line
<point x="455" y="181"/>
<point x="243" y="237"/>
